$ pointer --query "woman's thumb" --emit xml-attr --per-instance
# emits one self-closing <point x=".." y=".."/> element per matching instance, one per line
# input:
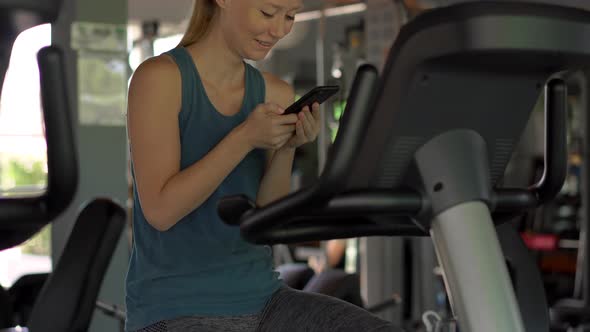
<point x="276" y="108"/>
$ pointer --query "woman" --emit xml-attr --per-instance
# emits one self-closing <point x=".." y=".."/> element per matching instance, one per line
<point x="203" y="124"/>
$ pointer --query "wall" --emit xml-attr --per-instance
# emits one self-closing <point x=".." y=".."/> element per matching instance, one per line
<point x="102" y="151"/>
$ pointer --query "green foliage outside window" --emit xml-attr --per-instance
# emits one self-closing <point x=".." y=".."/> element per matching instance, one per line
<point x="18" y="177"/>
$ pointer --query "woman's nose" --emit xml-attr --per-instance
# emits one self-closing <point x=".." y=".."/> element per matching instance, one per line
<point x="279" y="28"/>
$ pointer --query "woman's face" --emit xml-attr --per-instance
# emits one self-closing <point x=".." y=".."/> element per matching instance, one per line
<point x="253" y="27"/>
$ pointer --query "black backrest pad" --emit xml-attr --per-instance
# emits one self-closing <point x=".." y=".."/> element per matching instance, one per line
<point x="68" y="298"/>
<point x="20" y="217"/>
<point x="479" y="66"/>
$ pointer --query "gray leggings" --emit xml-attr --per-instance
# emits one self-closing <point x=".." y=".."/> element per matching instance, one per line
<point x="287" y="310"/>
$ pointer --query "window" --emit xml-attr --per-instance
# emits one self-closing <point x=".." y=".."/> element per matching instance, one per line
<point x="23" y="151"/>
<point x="164" y="44"/>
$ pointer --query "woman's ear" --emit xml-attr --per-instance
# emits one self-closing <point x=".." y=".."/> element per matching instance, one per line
<point x="223" y="3"/>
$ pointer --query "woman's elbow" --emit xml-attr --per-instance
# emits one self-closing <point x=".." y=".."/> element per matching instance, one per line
<point x="157" y="219"/>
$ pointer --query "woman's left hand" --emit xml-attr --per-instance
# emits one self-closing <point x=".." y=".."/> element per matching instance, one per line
<point x="307" y="127"/>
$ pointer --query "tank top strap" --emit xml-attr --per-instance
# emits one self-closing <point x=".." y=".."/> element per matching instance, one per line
<point x="189" y="79"/>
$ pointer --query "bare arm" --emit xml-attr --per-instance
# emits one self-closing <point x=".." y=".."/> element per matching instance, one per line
<point x="166" y="193"/>
<point x="276" y="182"/>
<point x="335" y="250"/>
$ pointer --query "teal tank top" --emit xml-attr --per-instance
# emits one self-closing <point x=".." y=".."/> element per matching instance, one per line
<point x="200" y="266"/>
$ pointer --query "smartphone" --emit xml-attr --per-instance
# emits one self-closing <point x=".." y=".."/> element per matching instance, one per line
<point x="318" y="94"/>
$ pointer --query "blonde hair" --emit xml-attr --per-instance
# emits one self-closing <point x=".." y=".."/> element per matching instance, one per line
<point x="203" y="13"/>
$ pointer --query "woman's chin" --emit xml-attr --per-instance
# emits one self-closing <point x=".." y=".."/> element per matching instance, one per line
<point x="256" y="55"/>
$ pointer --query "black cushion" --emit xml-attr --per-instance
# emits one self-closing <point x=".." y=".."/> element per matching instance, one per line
<point x="67" y="301"/>
<point x="23" y="294"/>
<point x="337" y="283"/>
<point x="6" y="309"/>
<point x="295" y="275"/>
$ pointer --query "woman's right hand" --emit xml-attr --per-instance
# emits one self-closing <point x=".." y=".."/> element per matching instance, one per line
<point x="267" y="128"/>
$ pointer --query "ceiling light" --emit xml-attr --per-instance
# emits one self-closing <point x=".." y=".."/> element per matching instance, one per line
<point x="335" y="11"/>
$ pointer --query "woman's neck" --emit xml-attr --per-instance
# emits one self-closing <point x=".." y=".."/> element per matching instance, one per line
<point x="216" y="61"/>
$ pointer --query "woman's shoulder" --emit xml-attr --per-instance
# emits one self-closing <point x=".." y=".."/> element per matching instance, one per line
<point x="156" y="78"/>
<point x="161" y="70"/>
<point x="277" y="90"/>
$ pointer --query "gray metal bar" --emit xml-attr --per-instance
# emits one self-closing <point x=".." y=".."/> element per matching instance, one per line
<point x="323" y="136"/>
<point x="474" y="270"/>
<point x="582" y="280"/>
